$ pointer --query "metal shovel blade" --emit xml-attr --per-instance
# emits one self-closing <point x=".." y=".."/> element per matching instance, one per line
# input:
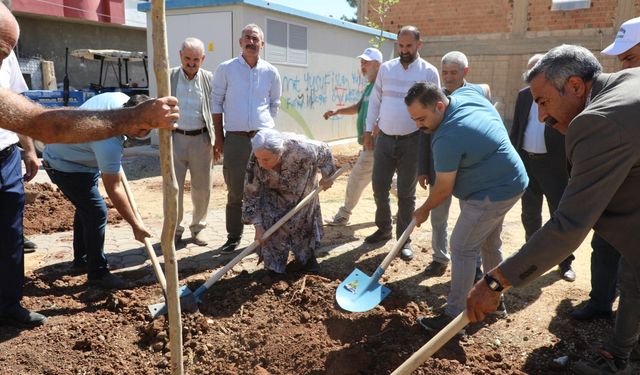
<point x="188" y="303"/>
<point x="359" y="292"/>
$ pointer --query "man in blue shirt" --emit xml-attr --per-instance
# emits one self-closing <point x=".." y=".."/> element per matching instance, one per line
<point x="475" y="161"/>
<point x="75" y="168"/>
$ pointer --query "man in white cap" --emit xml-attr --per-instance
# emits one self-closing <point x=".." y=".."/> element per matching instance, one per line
<point x="626" y="46"/>
<point x="360" y="176"/>
<point x="604" y="257"/>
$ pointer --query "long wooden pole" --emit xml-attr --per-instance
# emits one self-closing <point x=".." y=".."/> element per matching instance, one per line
<point x="169" y="189"/>
<point x="433" y="345"/>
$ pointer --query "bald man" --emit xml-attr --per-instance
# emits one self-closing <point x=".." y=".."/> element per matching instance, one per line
<point x="20" y="115"/>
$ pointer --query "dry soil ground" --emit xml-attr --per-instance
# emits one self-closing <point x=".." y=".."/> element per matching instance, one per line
<point x="250" y="323"/>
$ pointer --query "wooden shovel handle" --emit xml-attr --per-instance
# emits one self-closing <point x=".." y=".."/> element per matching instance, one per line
<point x="249" y="249"/>
<point x="433" y="345"/>
<point x="399" y="243"/>
<point x="157" y="270"/>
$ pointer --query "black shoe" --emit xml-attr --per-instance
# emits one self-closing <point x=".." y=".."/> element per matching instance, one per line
<point x="378" y="236"/>
<point x="478" y="276"/>
<point x="29" y="246"/>
<point x="435" y="324"/>
<point x="602" y="362"/>
<point x="110" y="281"/>
<point x="79" y="266"/>
<point x="435" y="269"/>
<point x="589" y="313"/>
<point x="20" y="315"/>
<point x="567" y="273"/>
<point x="230" y="246"/>
<point x="407" y="252"/>
<point x="311" y="266"/>
<point x="635" y="353"/>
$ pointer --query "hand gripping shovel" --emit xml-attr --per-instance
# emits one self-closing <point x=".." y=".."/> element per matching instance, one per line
<point x="157" y="270"/>
<point x="359" y="292"/>
<point x="194" y="299"/>
<point x="433" y="345"/>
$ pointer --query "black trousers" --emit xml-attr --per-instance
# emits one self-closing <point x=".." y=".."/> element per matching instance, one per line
<point x="547" y="178"/>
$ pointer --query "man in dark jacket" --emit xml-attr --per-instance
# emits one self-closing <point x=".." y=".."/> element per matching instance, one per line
<point x="599" y="118"/>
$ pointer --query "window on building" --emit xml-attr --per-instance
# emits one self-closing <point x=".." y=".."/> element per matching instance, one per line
<point x="570" y="4"/>
<point x="286" y="43"/>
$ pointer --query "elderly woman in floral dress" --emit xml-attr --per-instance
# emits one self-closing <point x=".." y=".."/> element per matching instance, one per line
<point x="282" y="170"/>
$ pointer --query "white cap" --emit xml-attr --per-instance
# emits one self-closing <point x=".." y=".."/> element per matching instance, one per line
<point x="371" y="54"/>
<point x="628" y="36"/>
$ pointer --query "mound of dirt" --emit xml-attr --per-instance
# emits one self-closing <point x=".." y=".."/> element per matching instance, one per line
<point x="248" y="323"/>
<point x="47" y="210"/>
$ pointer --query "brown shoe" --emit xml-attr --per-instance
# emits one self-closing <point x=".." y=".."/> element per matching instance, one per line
<point x="198" y="239"/>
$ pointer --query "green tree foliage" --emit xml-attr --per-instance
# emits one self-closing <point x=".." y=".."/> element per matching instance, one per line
<point x="380" y="10"/>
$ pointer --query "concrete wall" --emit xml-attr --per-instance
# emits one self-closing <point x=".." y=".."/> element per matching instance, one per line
<point x="330" y="79"/>
<point x="499" y="36"/>
<point x="47" y="37"/>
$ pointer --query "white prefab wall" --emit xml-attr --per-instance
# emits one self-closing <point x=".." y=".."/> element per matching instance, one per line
<point x="212" y="27"/>
<point x="325" y="75"/>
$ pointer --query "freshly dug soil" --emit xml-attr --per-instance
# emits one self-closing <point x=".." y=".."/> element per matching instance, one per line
<point x="253" y="323"/>
<point x="47" y="210"/>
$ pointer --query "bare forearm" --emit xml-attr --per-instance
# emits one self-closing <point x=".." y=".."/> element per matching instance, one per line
<point x="350" y="110"/>
<point x="22" y="116"/>
<point x="72" y="126"/>
<point x="27" y="144"/>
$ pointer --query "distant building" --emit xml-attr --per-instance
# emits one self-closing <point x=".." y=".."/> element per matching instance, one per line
<point x="47" y="27"/>
<point x="499" y="36"/>
<point x="315" y="55"/>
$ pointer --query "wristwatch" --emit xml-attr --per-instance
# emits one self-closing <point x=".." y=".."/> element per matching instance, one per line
<point x="493" y="283"/>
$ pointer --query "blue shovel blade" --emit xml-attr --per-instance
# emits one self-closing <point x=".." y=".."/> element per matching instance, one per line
<point x="359" y="292"/>
<point x="188" y="302"/>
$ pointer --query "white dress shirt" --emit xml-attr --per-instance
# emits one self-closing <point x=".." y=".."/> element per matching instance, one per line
<point x="386" y="103"/>
<point x="190" y="95"/>
<point x="248" y="97"/>
<point x="534" y="133"/>
<point x="11" y="78"/>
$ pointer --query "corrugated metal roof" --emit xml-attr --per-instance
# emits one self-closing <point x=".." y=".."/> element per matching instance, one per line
<point x="185" y="4"/>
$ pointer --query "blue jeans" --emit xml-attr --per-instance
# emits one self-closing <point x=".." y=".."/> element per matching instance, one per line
<point x="604" y="272"/>
<point x="11" y="240"/>
<point x="89" y="221"/>
<point x="391" y="155"/>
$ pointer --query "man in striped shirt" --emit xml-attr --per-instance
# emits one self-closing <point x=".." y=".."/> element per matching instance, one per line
<point x="396" y="146"/>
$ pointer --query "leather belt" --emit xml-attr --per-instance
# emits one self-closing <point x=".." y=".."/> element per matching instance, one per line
<point x="191" y="132"/>
<point x="7" y="151"/>
<point x="532" y="155"/>
<point x="248" y="134"/>
<point x="397" y="137"/>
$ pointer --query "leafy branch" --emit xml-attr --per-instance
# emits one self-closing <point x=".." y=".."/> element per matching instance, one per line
<point x="381" y="8"/>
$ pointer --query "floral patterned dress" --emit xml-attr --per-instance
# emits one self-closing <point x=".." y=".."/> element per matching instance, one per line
<point x="270" y="194"/>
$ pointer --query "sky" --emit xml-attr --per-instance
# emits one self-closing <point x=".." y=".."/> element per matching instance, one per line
<point x="335" y="8"/>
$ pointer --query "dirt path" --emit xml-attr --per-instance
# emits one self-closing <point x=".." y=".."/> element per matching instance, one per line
<point x="250" y="323"/>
